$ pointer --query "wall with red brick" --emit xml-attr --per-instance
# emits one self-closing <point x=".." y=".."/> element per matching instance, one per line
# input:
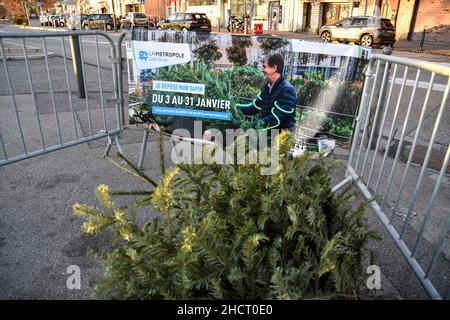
<point x="155" y="9"/>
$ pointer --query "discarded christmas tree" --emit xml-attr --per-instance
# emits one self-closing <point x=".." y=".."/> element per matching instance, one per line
<point x="228" y="232"/>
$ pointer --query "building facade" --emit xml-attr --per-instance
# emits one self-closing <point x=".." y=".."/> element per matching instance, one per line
<point x="409" y="16"/>
<point x="158" y="9"/>
<point x="120" y="7"/>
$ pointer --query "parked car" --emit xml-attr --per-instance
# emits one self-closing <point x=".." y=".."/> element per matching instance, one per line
<point x="64" y="19"/>
<point x="44" y="19"/>
<point x="363" y="30"/>
<point x="100" y="21"/>
<point x="55" y="20"/>
<point x="186" y="21"/>
<point x="135" y="19"/>
<point x="58" y="20"/>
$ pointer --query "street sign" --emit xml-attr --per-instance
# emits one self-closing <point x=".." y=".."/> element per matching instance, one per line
<point x="142" y="1"/>
<point x="39" y="4"/>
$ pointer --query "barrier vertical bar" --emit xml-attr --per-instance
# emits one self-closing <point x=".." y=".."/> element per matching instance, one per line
<point x="3" y="146"/>
<point x="116" y="84"/>
<point x="51" y="90"/>
<point x="69" y="88"/>
<point x="33" y="94"/>
<point x="120" y="79"/>
<point x="100" y="83"/>
<point x="88" y="110"/>
<point x="366" y="124"/>
<point x="355" y="134"/>
<point x="13" y="98"/>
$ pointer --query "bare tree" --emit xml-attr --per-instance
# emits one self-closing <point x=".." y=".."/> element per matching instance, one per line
<point x="20" y="8"/>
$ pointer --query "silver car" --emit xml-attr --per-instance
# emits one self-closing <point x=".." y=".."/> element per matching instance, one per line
<point x="135" y="19"/>
<point x="363" y="30"/>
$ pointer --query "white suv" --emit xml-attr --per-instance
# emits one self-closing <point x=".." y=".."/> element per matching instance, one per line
<point x="135" y="19"/>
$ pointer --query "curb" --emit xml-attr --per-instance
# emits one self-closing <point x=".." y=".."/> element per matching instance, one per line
<point x="63" y="29"/>
<point x="30" y="57"/>
<point x="38" y="28"/>
<point x="435" y="52"/>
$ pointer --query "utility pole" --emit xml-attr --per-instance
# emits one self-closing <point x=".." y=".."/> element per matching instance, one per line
<point x="252" y="7"/>
<point x="245" y="17"/>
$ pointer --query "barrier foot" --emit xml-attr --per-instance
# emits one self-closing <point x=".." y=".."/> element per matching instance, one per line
<point x="114" y="140"/>
<point x="143" y="149"/>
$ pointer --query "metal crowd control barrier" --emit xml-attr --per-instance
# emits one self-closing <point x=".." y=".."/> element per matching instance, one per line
<point x="395" y="173"/>
<point x="39" y="112"/>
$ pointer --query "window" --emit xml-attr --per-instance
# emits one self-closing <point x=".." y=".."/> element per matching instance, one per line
<point x="180" y="17"/>
<point x="359" y="22"/>
<point x="372" y="21"/>
<point x="203" y="2"/>
<point x="139" y="15"/>
<point x="386" y="24"/>
<point x="344" y="23"/>
<point x="172" y="17"/>
<point x="200" y="16"/>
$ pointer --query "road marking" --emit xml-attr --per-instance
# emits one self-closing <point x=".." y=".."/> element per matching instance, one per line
<point x="59" y="39"/>
<point x="21" y="45"/>
<point x="420" y="84"/>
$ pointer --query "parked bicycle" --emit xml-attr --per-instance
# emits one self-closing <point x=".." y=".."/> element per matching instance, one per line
<point x="237" y="25"/>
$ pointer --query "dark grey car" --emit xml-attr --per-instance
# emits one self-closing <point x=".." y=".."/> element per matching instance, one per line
<point x="100" y="21"/>
<point x="363" y="30"/>
<point x="186" y="21"/>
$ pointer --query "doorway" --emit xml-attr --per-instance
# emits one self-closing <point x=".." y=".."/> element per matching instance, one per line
<point x="307" y="17"/>
<point x="274" y="15"/>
